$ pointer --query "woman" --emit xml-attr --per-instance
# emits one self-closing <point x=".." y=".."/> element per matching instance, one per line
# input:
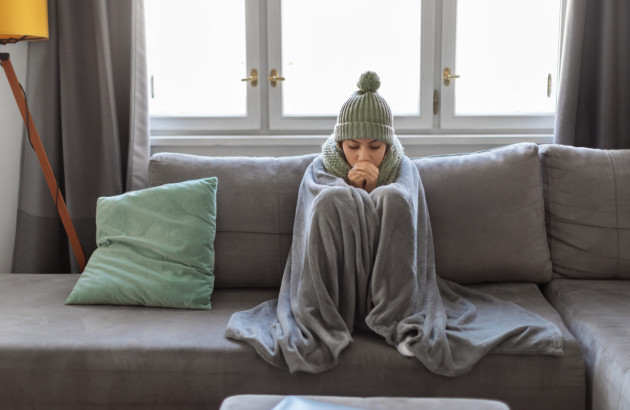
<point x="364" y="149"/>
<point x="362" y="256"/>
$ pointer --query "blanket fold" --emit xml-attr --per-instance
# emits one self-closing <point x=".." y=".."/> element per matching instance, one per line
<point x="366" y="260"/>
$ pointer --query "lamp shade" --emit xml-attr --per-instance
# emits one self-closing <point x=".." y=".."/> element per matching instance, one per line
<point x="23" y="20"/>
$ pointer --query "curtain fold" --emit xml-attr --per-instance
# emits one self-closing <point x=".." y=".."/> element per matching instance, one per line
<point x="87" y="91"/>
<point x="594" y="94"/>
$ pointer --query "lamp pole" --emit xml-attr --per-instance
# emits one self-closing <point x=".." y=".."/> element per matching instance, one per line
<point x="36" y="143"/>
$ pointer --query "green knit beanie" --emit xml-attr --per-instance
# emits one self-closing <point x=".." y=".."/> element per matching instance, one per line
<point x="366" y="114"/>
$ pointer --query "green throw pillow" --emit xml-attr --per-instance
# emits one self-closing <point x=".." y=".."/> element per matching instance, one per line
<point x="155" y="248"/>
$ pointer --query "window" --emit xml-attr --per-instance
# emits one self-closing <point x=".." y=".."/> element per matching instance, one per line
<point x="506" y="54"/>
<point x="286" y="66"/>
<point x="197" y="53"/>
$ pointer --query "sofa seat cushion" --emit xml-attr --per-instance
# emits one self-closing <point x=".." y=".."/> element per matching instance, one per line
<point x="596" y="312"/>
<point x="53" y="354"/>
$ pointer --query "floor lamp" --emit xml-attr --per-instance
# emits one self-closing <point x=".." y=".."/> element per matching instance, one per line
<point x="22" y="20"/>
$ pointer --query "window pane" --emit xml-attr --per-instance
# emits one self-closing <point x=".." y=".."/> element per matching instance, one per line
<point x="504" y="54"/>
<point x="195" y="70"/>
<point x="327" y="44"/>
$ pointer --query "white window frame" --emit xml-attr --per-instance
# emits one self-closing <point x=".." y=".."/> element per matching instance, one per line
<point x="196" y="125"/>
<point x="448" y="119"/>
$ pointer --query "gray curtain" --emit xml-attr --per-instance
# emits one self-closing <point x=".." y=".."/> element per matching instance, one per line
<point x="594" y="94"/>
<point x="87" y="91"/>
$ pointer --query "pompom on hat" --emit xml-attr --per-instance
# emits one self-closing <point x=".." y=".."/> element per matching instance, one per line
<point x="366" y="115"/>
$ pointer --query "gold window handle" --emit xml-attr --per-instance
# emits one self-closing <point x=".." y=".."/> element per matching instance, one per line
<point x="447" y="76"/>
<point x="253" y="77"/>
<point x="274" y="77"/>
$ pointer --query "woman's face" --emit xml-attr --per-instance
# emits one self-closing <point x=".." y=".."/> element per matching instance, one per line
<point x="364" y="150"/>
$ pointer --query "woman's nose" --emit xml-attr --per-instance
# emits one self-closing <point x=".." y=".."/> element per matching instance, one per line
<point x="364" y="155"/>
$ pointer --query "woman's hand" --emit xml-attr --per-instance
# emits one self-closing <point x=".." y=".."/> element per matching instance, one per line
<point x="363" y="175"/>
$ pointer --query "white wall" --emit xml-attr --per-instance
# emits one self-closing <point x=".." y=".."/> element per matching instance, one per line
<point x="10" y="148"/>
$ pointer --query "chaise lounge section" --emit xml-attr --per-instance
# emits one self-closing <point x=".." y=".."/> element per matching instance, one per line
<point x="587" y="197"/>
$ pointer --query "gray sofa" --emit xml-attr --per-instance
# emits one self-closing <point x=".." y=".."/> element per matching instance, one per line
<point x="494" y="215"/>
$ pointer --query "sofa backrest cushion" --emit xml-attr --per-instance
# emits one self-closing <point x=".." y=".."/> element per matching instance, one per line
<point x="587" y="201"/>
<point x="487" y="215"/>
<point x="486" y="212"/>
<point x="256" y="200"/>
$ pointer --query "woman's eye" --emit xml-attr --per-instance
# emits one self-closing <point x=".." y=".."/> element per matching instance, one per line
<point x="353" y="147"/>
<point x="375" y="148"/>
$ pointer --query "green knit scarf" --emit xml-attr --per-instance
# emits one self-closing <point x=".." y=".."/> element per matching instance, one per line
<point x="335" y="162"/>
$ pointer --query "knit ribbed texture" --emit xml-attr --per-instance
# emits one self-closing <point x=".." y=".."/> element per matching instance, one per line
<point x="335" y="162"/>
<point x="366" y="114"/>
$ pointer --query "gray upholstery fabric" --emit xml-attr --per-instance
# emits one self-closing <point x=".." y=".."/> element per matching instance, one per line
<point x="87" y="90"/>
<point x="596" y="312"/>
<point x="256" y="201"/>
<point x="82" y="357"/>
<point x="587" y="200"/>
<point x="267" y="402"/>
<point x="487" y="214"/>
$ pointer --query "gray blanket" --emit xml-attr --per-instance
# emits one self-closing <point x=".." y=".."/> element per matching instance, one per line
<point x="366" y="260"/>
